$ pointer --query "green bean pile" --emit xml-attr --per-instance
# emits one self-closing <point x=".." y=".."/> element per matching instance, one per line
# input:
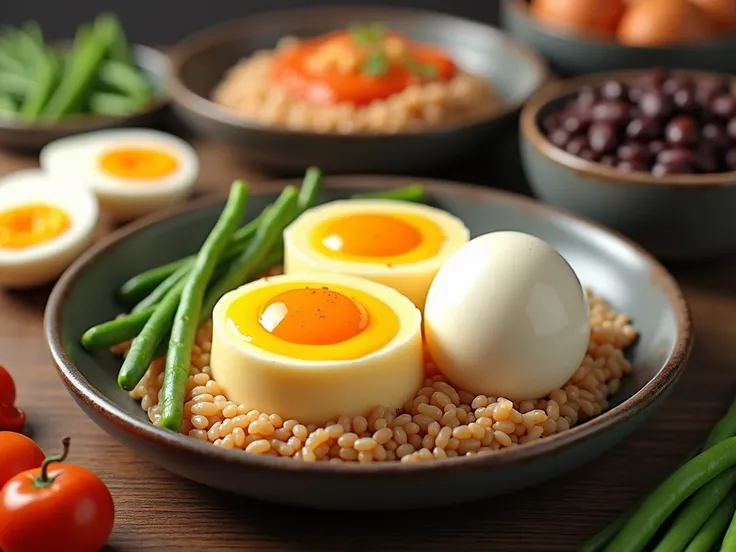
<point x="41" y="82"/>
<point x="172" y="300"/>
<point x="692" y="511"/>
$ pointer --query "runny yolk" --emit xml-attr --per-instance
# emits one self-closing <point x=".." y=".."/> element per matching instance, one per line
<point x="138" y="163"/>
<point x="33" y="224"/>
<point x="371" y="235"/>
<point x="313" y="316"/>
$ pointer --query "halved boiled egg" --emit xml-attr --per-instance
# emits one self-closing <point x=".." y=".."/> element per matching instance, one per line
<point x="314" y="347"/>
<point x="399" y="244"/>
<point x="45" y="224"/>
<point x="132" y="171"/>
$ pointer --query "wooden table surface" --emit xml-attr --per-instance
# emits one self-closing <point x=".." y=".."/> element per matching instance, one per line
<point x="159" y="511"/>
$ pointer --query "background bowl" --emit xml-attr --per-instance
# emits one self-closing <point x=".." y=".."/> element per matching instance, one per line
<point x="622" y="273"/>
<point x="678" y="217"/>
<point x="154" y="65"/>
<point x="571" y="54"/>
<point x="201" y="61"/>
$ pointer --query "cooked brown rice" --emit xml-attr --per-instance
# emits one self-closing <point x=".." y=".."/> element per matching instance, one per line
<point x="440" y="422"/>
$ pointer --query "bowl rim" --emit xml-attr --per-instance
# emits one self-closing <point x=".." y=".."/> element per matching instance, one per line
<point x="556" y="90"/>
<point x="88" y="122"/>
<point x="83" y="391"/>
<point x="520" y="8"/>
<point x="181" y="53"/>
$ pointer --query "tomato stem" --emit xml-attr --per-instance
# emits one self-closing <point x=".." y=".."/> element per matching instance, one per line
<point x="43" y="481"/>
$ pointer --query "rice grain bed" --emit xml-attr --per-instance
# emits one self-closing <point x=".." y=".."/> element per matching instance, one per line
<point x="440" y="422"/>
<point x="248" y="90"/>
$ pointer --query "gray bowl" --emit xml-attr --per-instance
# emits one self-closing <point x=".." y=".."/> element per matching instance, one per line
<point x="201" y="61"/>
<point x="680" y="217"/>
<point x="154" y="65"/>
<point x="622" y="273"/>
<point x="572" y="55"/>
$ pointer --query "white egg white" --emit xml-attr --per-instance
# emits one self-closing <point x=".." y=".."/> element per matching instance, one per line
<point x="77" y="157"/>
<point x="44" y="262"/>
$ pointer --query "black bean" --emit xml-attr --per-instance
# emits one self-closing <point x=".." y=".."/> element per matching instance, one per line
<point x="602" y="137"/>
<point x="637" y="152"/>
<point x="559" y="137"/>
<point x="675" y="84"/>
<point x="635" y="94"/>
<point x="731" y="129"/>
<point x="715" y="135"/>
<point x="724" y="106"/>
<point x="576" y="145"/>
<point x="587" y="97"/>
<point x="684" y="99"/>
<point x="588" y="154"/>
<point x="662" y="169"/>
<point x="653" y="78"/>
<point x="675" y="156"/>
<point x="709" y="88"/>
<point x="632" y="166"/>
<point x="681" y="131"/>
<point x="550" y="123"/>
<point x="613" y="111"/>
<point x="614" y="90"/>
<point x="609" y="160"/>
<point x="575" y="123"/>
<point x="706" y="159"/>
<point x="643" y="129"/>
<point x="655" y="104"/>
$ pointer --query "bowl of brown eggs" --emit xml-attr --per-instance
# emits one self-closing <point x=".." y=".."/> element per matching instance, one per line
<point x="584" y="36"/>
<point x="650" y="153"/>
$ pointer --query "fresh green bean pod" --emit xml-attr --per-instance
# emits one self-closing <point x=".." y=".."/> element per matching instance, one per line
<point x="599" y="541"/>
<point x="186" y="321"/>
<point x="145" y="282"/>
<point x="715" y="526"/>
<point x="729" y="539"/>
<point x="114" y="332"/>
<point x="660" y="504"/>
<point x="155" y="297"/>
<point x="119" y="48"/>
<point x="414" y="193"/>
<point x="125" y="79"/>
<point x="47" y="75"/>
<point x="245" y="266"/>
<point x="113" y="105"/>
<point x="725" y="428"/>
<point x="310" y="189"/>
<point x="696" y="511"/>
<point x="7" y="106"/>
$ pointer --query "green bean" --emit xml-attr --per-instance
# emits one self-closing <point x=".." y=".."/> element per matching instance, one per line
<point x="47" y="74"/>
<point x="114" y="332"/>
<point x="16" y="85"/>
<point x="669" y="495"/>
<point x="90" y="48"/>
<point x="598" y="541"/>
<point x="725" y="428"/>
<point x="186" y="321"/>
<point x="696" y="511"/>
<point x="119" y="49"/>
<point x="33" y="31"/>
<point x="161" y="290"/>
<point x="147" y="281"/>
<point x="144" y="347"/>
<point x="714" y="527"/>
<point x="125" y="79"/>
<point x="113" y="105"/>
<point x="7" y="106"/>
<point x="245" y="266"/>
<point x="413" y="193"/>
<point x="311" y="187"/>
<point x="729" y="539"/>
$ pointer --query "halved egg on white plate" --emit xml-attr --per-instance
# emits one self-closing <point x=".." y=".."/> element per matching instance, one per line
<point x="316" y="346"/>
<point x="45" y="224"/>
<point x="399" y="244"/>
<point x="132" y="172"/>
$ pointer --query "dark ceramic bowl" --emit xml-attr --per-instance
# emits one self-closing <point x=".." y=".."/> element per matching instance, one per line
<point x="625" y="275"/>
<point x="154" y="65"/>
<point x="679" y="217"/>
<point x="201" y="62"/>
<point x="571" y="54"/>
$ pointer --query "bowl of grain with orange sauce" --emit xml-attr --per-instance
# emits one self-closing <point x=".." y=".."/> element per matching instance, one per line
<point x="362" y="89"/>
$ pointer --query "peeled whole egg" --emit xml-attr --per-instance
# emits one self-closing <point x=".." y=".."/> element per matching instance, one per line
<point x="313" y="347"/>
<point x="506" y="316"/>
<point x="132" y="172"/>
<point x="665" y="22"/>
<point x="45" y="224"/>
<point x="596" y="17"/>
<point x="398" y="244"/>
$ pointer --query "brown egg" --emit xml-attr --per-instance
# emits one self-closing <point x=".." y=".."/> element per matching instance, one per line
<point x="596" y="17"/>
<point x="721" y="12"/>
<point x="663" y="22"/>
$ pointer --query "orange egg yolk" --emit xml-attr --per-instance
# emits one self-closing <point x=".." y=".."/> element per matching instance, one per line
<point x="313" y="316"/>
<point x="378" y="238"/>
<point x="138" y="163"/>
<point x="28" y="225"/>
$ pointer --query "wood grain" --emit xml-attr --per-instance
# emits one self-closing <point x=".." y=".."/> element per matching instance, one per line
<point x="158" y="511"/>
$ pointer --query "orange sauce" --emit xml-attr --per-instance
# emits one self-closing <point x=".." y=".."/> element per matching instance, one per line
<point x="337" y="81"/>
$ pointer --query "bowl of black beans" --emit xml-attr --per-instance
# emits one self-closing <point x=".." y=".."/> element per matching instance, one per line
<point x="650" y="153"/>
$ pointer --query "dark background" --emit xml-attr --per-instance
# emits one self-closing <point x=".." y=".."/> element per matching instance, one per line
<point x="162" y="22"/>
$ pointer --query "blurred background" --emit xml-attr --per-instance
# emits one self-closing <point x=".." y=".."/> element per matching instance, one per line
<point x="168" y="21"/>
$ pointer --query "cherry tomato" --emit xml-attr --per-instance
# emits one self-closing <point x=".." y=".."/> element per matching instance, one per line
<point x="19" y="454"/>
<point x="7" y="387"/>
<point x="11" y="418"/>
<point x="49" y="508"/>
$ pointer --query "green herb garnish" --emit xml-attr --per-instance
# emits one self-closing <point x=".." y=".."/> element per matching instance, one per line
<point x="368" y="36"/>
<point x="423" y="70"/>
<point x="376" y="64"/>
